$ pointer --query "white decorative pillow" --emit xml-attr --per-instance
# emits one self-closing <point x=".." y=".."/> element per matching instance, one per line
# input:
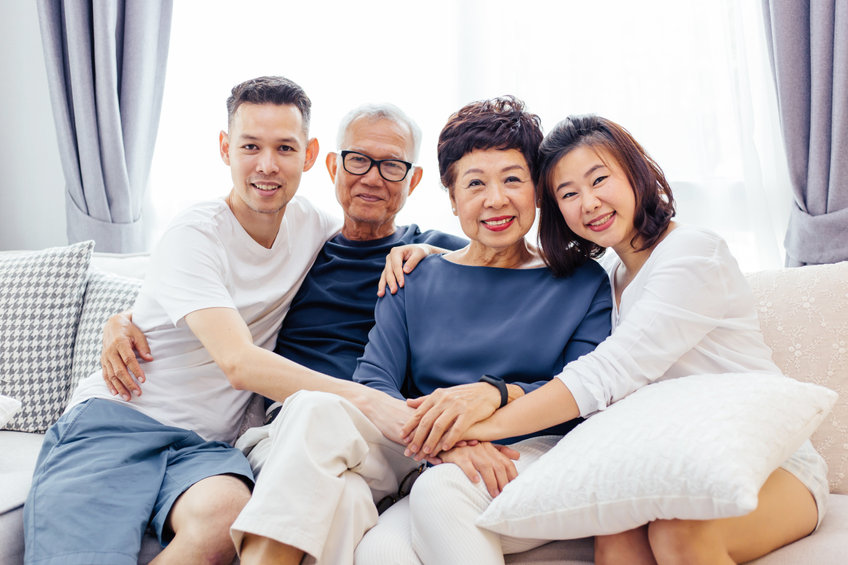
<point x="8" y="407"/>
<point x="105" y="294"/>
<point x="697" y="447"/>
<point x="40" y="303"/>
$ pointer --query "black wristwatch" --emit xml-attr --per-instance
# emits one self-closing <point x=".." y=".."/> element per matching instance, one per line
<point x="499" y="384"/>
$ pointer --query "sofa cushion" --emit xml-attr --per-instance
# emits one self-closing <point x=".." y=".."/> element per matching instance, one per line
<point x="20" y="451"/>
<point x="804" y="317"/>
<point x="105" y="294"/>
<point x="40" y="303"/>
<point x="698" y="447"/>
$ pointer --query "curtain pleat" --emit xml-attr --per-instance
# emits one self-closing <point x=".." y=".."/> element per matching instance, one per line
<point x="106" y="63"/>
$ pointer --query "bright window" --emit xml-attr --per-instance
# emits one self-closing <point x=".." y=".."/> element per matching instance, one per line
<point x="689" y="79"/>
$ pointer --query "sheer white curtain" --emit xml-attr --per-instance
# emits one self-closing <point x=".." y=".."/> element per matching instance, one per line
<point x="690" y="79"/>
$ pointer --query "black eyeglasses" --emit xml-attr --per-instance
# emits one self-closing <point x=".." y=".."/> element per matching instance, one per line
<point x="405" y="486"/>
<point x="357" y="163"/>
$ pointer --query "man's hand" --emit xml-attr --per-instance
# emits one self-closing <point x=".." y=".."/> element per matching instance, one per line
<point x="493" y="463"/>
<point x="443" y="417"/>
<point x="401" y="261"/>
<point x="121" y="340"/>
<point x="389" y="414"/>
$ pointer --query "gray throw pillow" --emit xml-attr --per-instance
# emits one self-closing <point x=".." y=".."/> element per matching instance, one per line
<point x="40" y="303"/>
<point x="105" y="294"/>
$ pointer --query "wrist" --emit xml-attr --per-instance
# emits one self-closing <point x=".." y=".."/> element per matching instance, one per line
<point x="514" y="391"/>
<point x="500" y="385"/>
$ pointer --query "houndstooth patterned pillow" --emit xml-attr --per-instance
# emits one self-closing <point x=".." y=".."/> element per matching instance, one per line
<point x="40" y="303"/>
<point x="105" y="294"/>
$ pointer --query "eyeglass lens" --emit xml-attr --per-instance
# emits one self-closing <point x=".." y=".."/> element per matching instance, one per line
<point x="390" y="169"/>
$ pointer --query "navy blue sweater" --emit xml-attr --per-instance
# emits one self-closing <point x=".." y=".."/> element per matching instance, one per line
<point x="327" y="327"/>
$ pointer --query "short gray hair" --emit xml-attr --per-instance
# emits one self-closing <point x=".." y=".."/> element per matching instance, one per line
<point x="382" y="111"/>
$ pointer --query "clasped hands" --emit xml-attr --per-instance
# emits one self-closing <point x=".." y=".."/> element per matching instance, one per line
<point x="448" y="424"/>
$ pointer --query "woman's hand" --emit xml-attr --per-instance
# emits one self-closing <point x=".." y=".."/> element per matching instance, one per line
<point x="401" y="261"/>
<point x="493" y="463"/>
<point x="121" y="340"/>
<point x="443" y="417"/>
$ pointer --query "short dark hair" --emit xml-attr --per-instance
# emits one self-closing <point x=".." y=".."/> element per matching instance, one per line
<point x="562" y="249"/>
<point x="270" y="90"/>
<point x="499" y="123"/>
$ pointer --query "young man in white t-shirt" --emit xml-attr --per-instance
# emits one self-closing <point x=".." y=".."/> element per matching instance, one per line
<point x="219" y="284"/>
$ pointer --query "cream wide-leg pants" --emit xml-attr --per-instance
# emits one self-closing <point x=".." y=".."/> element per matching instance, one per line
<point x="322" y="466"/>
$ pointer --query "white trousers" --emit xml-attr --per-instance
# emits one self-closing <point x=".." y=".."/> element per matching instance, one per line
<point x="435" y="524"/>
<point x="322" y="466"/>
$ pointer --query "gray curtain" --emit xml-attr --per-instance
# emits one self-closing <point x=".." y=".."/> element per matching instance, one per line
<point x="106" y="71"/>
<point x="808" y="46"/>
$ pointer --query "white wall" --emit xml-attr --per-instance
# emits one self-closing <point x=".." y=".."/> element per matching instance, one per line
<point x="32" y="195"/>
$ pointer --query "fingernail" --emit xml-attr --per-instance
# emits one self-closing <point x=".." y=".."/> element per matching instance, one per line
<point x="126" y="397"/>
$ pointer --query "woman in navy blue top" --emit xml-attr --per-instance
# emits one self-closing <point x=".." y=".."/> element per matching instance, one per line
<point x="491" y="308"/>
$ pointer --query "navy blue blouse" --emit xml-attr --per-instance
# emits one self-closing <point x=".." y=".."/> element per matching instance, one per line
<point x="451" y="324"/>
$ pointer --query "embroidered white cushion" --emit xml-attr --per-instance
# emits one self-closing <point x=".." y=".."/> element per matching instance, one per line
<point x="697" y="447"/>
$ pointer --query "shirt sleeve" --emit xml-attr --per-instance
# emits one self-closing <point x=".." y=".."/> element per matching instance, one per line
<point x="186" y="273"/>
<point x="384" y="364"/>
<point x="682" y="299"/>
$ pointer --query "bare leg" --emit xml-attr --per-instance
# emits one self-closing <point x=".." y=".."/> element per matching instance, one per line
<point x="257" y="549"/>
<point x="631" y="547"/>
<point x="786" y="512"/>
<point x="201" y="519"/>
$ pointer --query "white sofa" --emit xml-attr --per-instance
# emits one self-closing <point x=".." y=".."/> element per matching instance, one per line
<point x="803" y="312"/>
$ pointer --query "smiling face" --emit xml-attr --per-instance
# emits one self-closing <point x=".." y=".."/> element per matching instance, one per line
<point x="493" y="197"/>
<point x="595" y="197"/>
<point x="267" y="151"/>
<point x="369" y="201"/>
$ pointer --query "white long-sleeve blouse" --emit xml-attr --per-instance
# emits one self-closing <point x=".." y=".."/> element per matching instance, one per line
<point x="689" y="310"/>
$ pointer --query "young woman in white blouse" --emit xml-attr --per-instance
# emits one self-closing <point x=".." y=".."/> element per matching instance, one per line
<point x="681" y="307"/>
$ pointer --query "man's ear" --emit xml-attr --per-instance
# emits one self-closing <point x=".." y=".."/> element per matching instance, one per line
<point x="224" y="146"/>
<point x="417" y="172"/>
<point x="311" y="153"/>
<point x="332" y="162"/>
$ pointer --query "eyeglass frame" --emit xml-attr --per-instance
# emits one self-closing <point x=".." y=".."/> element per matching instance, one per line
<point x="377" y="162"/>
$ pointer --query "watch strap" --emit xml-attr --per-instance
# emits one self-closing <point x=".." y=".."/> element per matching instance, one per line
<point x="499" y="384"/>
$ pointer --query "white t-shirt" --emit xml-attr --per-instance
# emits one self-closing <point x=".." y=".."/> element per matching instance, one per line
<point x="206" y="259"/>
<point x="688" y="311"/>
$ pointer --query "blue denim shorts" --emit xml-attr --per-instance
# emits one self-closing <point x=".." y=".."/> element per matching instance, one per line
<point x="104" y="474"/>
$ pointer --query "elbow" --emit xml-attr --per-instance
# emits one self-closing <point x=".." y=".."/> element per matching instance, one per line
<point x="235" y="373"/>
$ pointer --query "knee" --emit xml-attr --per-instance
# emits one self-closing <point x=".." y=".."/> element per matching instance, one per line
<point x="626" y="547"/>
<point x="379" y="547"/>
<point x="687" y="542"/>
<point x="310" y="403"/>
<point x="437" y="489"/>
<point x="210" y="516"/>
